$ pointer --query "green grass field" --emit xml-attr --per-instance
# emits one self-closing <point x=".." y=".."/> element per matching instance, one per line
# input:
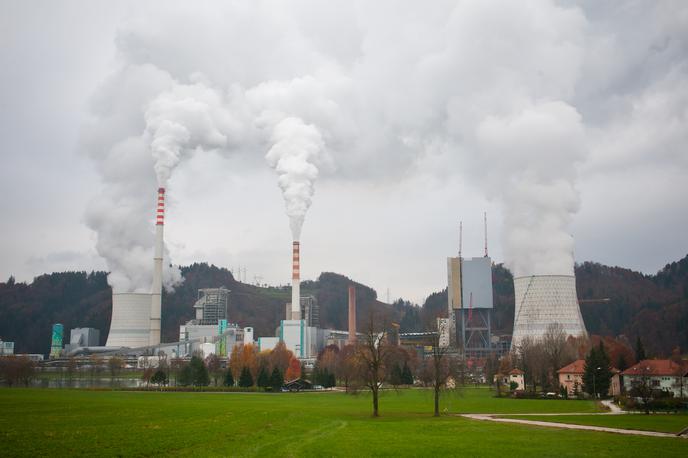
<point x="36" y="422"/>
<point x="666" y="423"/>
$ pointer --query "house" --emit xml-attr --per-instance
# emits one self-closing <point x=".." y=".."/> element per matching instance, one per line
<point x="571" y="378"/>
<point x="297" y="385"/>
<point x="517" y="375"/>
<point x="514" y="375"/>
<point x="658" y="374"/>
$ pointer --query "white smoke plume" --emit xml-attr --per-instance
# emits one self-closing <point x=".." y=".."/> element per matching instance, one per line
<point x="294" y="155"/>
<point x="184" y="118"/>
<point x="507" y="96"/>
<point x="136" y="150"/>
<point x="531" y="160"/>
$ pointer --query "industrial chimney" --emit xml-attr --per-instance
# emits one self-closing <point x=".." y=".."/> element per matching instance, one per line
<point x="352" y="314"/>
<point x="156" y="290"/>
<point x="295" y="283"/>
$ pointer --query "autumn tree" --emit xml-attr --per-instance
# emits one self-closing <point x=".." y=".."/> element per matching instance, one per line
<point x="280" y="357"/>
<point x="294" y="370"/>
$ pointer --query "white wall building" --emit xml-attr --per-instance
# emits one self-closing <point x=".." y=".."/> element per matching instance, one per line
<point x="130" y="324"/>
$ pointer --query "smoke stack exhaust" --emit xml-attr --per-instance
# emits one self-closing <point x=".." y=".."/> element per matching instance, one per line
<point x="352" y="314"/>
<point x="296" y="282"/>
<point x="156" y="289"/>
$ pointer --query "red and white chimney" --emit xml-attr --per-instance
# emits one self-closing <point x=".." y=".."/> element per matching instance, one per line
<point x="352" y="314"/>
<point x="295" y="282"/>
<point x="156" y="289"/>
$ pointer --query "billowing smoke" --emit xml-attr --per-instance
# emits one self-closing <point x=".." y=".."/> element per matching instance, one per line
<point x="136" y="150"/>
<point x="530" y="160"/>
<point x="185" y="118"/>
<point x="498" y="94"/>
<point x="294" y="155"/>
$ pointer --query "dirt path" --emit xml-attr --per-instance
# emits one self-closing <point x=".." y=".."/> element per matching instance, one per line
<point x="633" y="432"/>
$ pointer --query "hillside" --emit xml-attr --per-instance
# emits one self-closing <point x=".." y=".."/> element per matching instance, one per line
<point x="652" y="306"/>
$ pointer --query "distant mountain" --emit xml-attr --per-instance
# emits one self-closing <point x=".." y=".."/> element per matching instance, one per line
<point x="655" y="307"/>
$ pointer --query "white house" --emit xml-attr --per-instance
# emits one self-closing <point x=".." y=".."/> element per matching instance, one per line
<point x="659" y="374"/>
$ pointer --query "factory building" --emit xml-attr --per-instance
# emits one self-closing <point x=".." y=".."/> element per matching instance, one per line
<point x="82" y="337"/>
<point x="469" y="303"/>
<point x="211" y="305"/>
<point x="6" y="348"/>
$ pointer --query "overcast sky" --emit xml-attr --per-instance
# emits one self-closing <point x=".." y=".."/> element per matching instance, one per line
<point x="566" y="121"/>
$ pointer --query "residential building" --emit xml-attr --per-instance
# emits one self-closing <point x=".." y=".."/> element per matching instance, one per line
<point x="571" y="378"/>
<point x="658" y="374"/>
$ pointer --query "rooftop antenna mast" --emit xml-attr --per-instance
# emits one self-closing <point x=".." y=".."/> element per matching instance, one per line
<point x="460" y="237"/>
<point x="485" y="220"/>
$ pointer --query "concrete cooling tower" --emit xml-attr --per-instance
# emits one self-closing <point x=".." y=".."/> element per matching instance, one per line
<point x="542" y="300"/>
<point x="130" y="324"/>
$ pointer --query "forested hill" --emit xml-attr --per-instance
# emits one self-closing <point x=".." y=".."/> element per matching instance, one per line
<point x="652" y="306"/>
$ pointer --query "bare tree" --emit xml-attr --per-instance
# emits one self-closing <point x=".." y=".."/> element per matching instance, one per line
<point x="441" y="367"/>
<point x="115" y="364"/>
<point x="371" y="352"/>
<point x="557" y="351"/>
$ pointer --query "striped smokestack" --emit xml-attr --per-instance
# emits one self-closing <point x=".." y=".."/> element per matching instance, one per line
<point x="352" y="314"/>
<point x="295" y="282"/>
<point x="156" y="290"/>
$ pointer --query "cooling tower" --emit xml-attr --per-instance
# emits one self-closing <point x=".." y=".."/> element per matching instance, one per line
<point x="130" y="324"/>
<point x="295" y="283"/>
<point x="156" y="288"/>
<point x="542" y="300"/>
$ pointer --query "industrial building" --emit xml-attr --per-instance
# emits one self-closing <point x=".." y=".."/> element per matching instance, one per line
<point x="56" y="340"/>
<point x="469" y="304"/>
<point x="6" y="348"/>
<point x="82" y="337"/>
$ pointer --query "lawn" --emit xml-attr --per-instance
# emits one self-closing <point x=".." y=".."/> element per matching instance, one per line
<point x="666" y="423"/>
<point x="35" y="422"/>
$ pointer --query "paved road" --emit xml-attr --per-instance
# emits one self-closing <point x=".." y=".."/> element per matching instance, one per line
<point x="633" y="432"/>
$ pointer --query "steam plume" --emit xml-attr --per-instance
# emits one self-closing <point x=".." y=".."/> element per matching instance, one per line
<point x="294" y="155"/>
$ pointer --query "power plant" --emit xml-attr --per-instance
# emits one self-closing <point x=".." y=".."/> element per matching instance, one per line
<point x="542" y="300"/>
<point x="469" y="302"/>
<point x="136" y="317"/>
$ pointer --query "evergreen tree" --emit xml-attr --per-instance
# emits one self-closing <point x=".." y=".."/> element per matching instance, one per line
<point x="276" y="380"/>
<point x="639" y="350"/>
<point x="395" y="378"/>
<point x="159" y="378"/>
<point x="331" y="381"/>
<point x="263" y="378"/>
<point x="229" y="379"/>
<point x="245" y="379"/>
<point x="185" y="376"/>
<point x="199" y="373"/>
<point x="406" y="375"/>
<point x="598" y="375"/>
<point x="622" y="364"/>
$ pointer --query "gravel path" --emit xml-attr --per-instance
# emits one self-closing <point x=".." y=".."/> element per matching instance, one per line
<point x="633" y="432"/>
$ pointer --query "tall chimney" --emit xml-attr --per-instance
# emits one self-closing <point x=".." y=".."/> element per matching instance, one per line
<point x="352" y="314"/>
<point x="295" y="283"/>
<point x="156" y="290"/>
